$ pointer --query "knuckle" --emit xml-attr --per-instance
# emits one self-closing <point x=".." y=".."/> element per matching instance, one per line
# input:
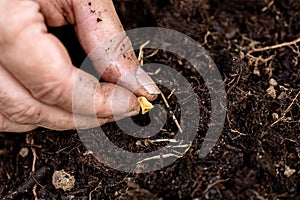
<point x="25" y="113"/>
<point x="50" y="92"/>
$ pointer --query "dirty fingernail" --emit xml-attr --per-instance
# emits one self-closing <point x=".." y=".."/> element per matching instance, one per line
<point x="152" y="89"/>
<point x="146" y="82"/>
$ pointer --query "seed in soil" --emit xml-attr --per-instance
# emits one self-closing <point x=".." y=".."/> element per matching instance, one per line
<point x="145" y="105"/>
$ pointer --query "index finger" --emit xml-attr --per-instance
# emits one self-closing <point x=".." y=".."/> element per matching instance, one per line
<point x="97" y="24"/>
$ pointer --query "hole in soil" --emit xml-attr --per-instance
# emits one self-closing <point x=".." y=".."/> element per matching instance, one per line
<point x="142" y="120"/>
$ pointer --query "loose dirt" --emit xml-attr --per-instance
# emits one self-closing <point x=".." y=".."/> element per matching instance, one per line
<point x="254" y="45"/>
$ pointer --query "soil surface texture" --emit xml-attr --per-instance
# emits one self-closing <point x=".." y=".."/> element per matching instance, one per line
<point x="255" y="46"/>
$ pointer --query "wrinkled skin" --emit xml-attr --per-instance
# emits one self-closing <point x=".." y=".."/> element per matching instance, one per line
<point x="37" y="76"/>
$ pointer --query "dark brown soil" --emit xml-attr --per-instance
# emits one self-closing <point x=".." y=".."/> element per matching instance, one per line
<point x="259" y="145"/>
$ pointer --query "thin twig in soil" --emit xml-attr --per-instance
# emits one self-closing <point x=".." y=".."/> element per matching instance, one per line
<point x="152" y="54"/>
<point x="267" y="7"/>
<point x="173" y="116"/>
<point x="274" y="46"/>
<point x="32" y="171"/>
<point x="34" y="160"/>
<point x="186" y="146"/>
<point x="162" y="156"/>
<point x="95" y="189"/>
<point x="141" y="53"/>
<point x="34" y="192"/>
<point x="282" y="118"/>
<point x="163" y="140"/>
<point x="296" y="51"/>
<point x="205" y="38"/>
<point x="238" y="132"/>
<point x="31" y="142"/>
<point x="172" y="92"/>
<point x="198" y="184"/>
<point x="179" y="146"/>
<point x="260" y="60"/>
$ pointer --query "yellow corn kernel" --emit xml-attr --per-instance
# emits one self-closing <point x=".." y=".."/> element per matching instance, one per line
<point x="145" y="104"/>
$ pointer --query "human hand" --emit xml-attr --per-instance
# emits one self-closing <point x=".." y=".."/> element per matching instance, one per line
<point x="38" y="78"/>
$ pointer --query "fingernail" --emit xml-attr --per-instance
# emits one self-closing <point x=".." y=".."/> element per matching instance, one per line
<point x="145" y="80"/>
